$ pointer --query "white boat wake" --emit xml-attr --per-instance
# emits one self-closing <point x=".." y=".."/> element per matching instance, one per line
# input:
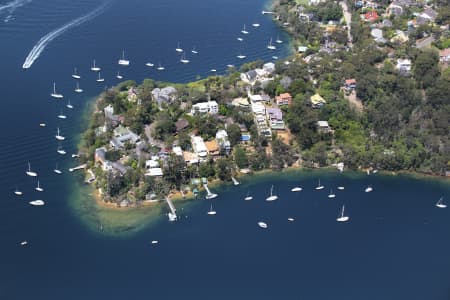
<point x="46" y="39"/>
<point x="11" y="8"/>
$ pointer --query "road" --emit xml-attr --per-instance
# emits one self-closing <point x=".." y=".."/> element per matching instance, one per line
<point x="348" y="20"/>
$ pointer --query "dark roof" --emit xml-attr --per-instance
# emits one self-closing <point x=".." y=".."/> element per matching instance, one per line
<point x="181" y="124"/>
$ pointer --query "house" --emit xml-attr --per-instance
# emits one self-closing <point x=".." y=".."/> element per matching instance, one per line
<point x="210" y="107"/>
<point x="132" y="95"/>
<point x="275" y="118"/>
<point x="395" y="8"/>
<point x="377" y="35"/>
<point x="121" y="135"/>
<point x="444" y="55"/>
<point x="181" y="124"/>
<point x="350" y="84"/>
<point x="323" y="127"/>
<point x="249" y="77"/>
<point x="283" y="99"/>
<point x="258" y="108"/>
<point x="199" y="146"/>
<point x="269" y="67"/>
<point x="100" y="155"/>
<point x="117" y="166"/>
<point x="317" y="101"/>
<point x="403" y="65"/>
<point x="164" y="95"/>
<point x="400" y="36"/>
<point x="190" y="157"/>
<point x="427" y="16"/>
<point x="241" y="103"/>
<point x="212" y="147"/>
<point x="386" y="23"/>
<point x="154" y="172"/>
<point x="110" y="116"/>
<point x="371" y="16"/>
<point x="177" y="150"/>
<point x="222" y="141"/>
<point x="152" y="163"/>
<point x="302" y="49"/>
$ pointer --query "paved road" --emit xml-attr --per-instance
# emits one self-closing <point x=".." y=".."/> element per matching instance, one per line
<point x="348" y="20"/>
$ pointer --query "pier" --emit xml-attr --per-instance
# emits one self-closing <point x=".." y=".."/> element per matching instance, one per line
<point x="77" y="168"/>
<point x="264" y="12"/>
<point x="172" y="213"/>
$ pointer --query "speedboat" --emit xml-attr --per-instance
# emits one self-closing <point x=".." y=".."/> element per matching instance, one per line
<point x="256" y="25"/>
<point x="368" y="189"/>
<point x="230" y="66"/>
<point x="331" y="194"/>
<point x="213" y="70"/>
<point x="123" y="61"/>
<point x="149" y="64"/>
<point x="58" y="136"/>
<point x="440" y="203"/>
<point x="75" y="74"/>
<point x="39" y="188"/>
<point x="37" y="202"/>
<point x="23" y="243"/>
<point x="262" y="225"/>
<point x="296" y="189"/>
<point x="154" y="242"/>
<point x="240" y="39"/>
<point x="341" y="188"/>
<point x="42" y="124"/>
<point x="272" y="197"/>
<point x="291" y="219"/>
<point x="29" y="172"/>
<point x="275" y="57"/>
<point x="55" y="94"/>
<point x="77" y="88"/>
<point x="342" y="217"/>
<point x="94" y="68"/>
<point x="240" y="56"/>
<point x="319" y="186"/>
<point x="178" y="48"/>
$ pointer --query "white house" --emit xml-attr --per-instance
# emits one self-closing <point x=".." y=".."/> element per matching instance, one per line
<point x="403" y="65"/>
<point x="199" y="146"/>
<point x="177" y="150"/>
<point x="210" y="107"/>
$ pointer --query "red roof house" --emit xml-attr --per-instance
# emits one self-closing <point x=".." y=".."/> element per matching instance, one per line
<point x="371" y="16"/>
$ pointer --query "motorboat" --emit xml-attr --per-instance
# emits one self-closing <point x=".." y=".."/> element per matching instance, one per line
<point x="37" y="202"/>
<point x="291" y="219"/>
<point x="149" y="64"/>
<point x="296" y="189"/>
<point x="368" y="189"/>
<point x="262" y="225"/>
<point x="341" y="188"/>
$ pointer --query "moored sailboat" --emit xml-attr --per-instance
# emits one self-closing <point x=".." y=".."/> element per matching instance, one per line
<point x="272" y="197"/>
<point x="342" y="217"/>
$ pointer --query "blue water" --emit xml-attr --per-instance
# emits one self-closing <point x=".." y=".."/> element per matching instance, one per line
<point x="394" y="246"/>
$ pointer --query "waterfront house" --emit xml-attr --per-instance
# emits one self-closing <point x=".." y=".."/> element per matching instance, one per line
<point x="132" y="95"/>
<point x="121" y="135"/>
<point x="223" y="141"/>
<point x="269" y="68"/>
<point x="323" y="127"/>
<point x="152" y="163"/>
<point x="111" y="117"/>
<point x="164" y="95"/>
<point x="199" y="147"/>
<point x="119" y="167"/>
<point x="249" y="77"/>
<point x="210" y="107"/>
<point x="100" y="155"/>
<point x="275" y="118"/>
<point x="377" y="35"/>
<point x="212" y="148"/>
<point x="317" y="101"/>
<point x="283" y="99"/>
<point x="190" y="158"/>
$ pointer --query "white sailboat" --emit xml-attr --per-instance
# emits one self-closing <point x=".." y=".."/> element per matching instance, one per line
<point x="211" y="212"/>
<point x="256" y="25"/>
<point x="172" y="216"/>
<point x="244" y="31"/>
<point x="319" y="186"/>
<point x="291" y="219"/>
<point x="248" y="197"/>
<point x="235" y="182"/>
<point x="270" y="46"/>
<point x="77" y="88"/>
<point x="58" y="136"/>
<point x="209" y="195"/>
<point x="296" y="189"/>
<point x="342" y="217"/>
<point x="17" y="192"/>
<point x="341" y="188"/>
<point x="241" y="56"/>
<point x="194" y="51"/>
<point x="331" y="194"/>
<point x="75" y="74"/>
<point x="29" y="172"/>
<point x="118" y="76"/>
<point x="62" y="115"/>
<point x="60" y="150"/>
<point x="38" y="187"/>
<point x="149" y="64"/>
<point x="440" y="203"/>
<point x="368" y="189"/>
<point x="23" y="243"/>
<point x="42" y="124"/>
<point x="68" y="105"/>
<point x="262" y="225"/>
<point x="272" y="197"/>
<point x="94" y="68"/>
<point x="55" y="94"/>
<point x="213" y="70"/>
<point x="178" y="48"/>
<point x="37" y="202"/>
<point x="123" y="61"/>
<point x="275" y="57"/>
<point x="160" y="68"/>
<point x="278" y="41"/>
<point x="100" y="78"/>
<point x="56" y="170"/>
<point x="240" y="39"/>
<point x="183" y="59"/>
